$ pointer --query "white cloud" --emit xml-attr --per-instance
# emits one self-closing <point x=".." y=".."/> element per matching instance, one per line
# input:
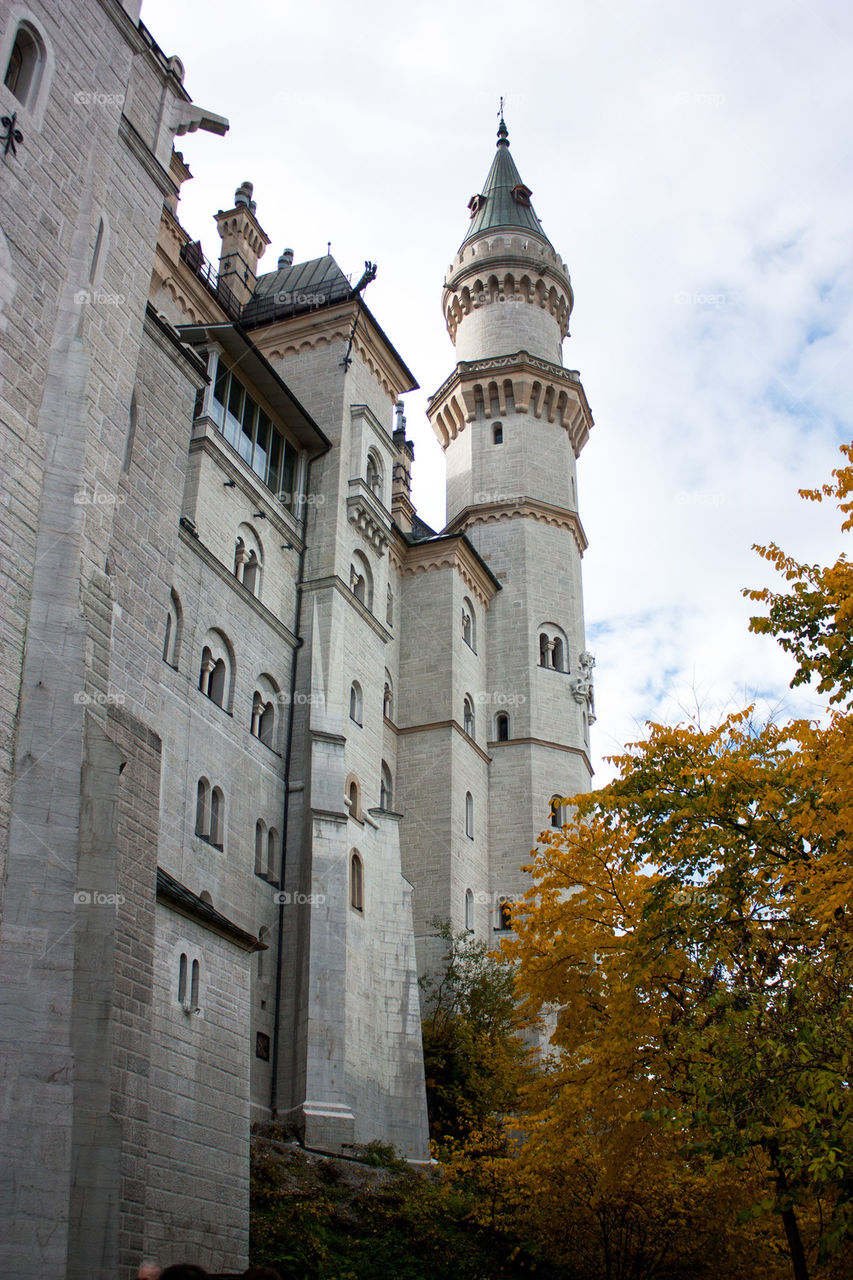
<point x="692" y="163"/>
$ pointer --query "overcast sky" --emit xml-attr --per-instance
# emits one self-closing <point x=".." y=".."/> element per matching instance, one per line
<point x="693" y="164"/>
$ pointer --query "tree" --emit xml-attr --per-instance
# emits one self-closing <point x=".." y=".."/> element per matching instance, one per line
<point x="474" y="1058"/>
<point x="692" y="930"/>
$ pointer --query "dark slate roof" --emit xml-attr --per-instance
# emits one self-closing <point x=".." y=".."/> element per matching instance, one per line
<point x="305" y="286"/>
<point x="499" y="210"/>
<point x="171" y="890"/>
<point x="421" y="530"/>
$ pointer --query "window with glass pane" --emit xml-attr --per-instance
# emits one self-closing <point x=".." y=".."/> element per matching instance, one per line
<point x="288" y="477"/>
<point x="262" y="445"/>
<point x="247" y="430"/>
<point x="276" y="454"/>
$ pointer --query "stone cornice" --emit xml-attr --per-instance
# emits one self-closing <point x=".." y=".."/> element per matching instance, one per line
<point x="538" y="387"/>
<point x="225" y="575"/>
<point x="333" y="324"/>
<point x="369" y="516"/>
<point x="336" y="584"/>
<point x="430" y="727"/>
<point x="450" y="552"/>
<point x="544" y="742"/>
<point x="214" y="444"/>
<point x="149" y="162"/>
<point x="521" y="509"/>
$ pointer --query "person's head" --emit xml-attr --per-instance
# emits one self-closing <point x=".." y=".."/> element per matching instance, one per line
<point x="148" y="1270"/>
<point x="184" y="1271"/>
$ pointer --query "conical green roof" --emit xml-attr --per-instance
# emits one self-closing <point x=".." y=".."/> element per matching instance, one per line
<point x="504" y="203"/>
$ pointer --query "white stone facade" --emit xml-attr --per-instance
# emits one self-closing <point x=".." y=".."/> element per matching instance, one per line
<point x="258" y="724"/>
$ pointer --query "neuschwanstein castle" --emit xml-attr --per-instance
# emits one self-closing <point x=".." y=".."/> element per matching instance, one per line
<point x="259" y="723"/>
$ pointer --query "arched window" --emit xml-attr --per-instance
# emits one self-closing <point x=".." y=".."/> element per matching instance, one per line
<point x="389" y="607"/>
<point x="264" y="702"/>
<point x="553" y="649"/>
<point x="217" y="817"/>
<point x="374" y="473"/>
<point x="355" y="702"/>
<point x="557" y="816"/>
<point x="202" y="809"/>
<point x="498" y="433"/>
<point x="469" y="909"/>
<point x="216" y="669"/>
<point x="172" y="636"/>
<point x="469" y="815"/>
<point x="356" y="882"/>
<point x="272" y="853"/>
<point x="505" y="914"/>
<point x="353" y="798"/>
<point x="388" y="698"/>
<point x="361" y="579"/>
<point x="252" y="573"/>
<point x="26" y="65"/>
<point x="468" y="722"/>
<point x="182" y="977"/>
<point x="194" y="985"/>
<point x="502" y="726"/>
<point x="248" y="559"/>
<point x="260" y="847"/>
<point x="386" y="788"/>
<point x="469" y="624"/>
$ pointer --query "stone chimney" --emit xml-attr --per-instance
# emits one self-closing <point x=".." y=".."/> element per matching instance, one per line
<point x="286" y="259"/>
<point x="402" y="507"/>
<point x="243" y="244"/>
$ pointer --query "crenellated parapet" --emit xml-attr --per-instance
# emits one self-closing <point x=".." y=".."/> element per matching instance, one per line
<point x="500" y="385"/>
<point x="502" y="270"/>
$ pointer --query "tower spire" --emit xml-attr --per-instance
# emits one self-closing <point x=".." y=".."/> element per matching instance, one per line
<point x="504" y="202"/>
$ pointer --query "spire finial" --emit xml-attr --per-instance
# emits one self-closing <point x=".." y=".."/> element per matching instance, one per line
<point x="503" y="135"/>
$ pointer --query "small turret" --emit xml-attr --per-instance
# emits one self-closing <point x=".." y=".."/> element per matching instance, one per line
<point x="244" y="242"/>
<point x="402" y="507"/>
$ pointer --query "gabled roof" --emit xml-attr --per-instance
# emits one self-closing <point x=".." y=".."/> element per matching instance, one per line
<point x="304" y="286"/>
<point x="504" y="203"/>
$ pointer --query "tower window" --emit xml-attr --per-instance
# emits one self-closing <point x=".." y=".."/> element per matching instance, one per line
<point x="353" y="798"/>
<point x="553" y="650"/>
<point x="373" y="474"/>
<point x="388" y="699"/>
<point x="260" y="847"/>
<point x="26" y="63"/>
<point x="498" y="433"/>
<point x="504" y="915"/>
<point x="202" y="809"/>
<point x="361" y="580"/>
<point x="469" y="815"/>
<point x="194" y="984"/>
<point x="468" y="722"/>
<point x="469" y="624"/>
<point x="469" y="909"/>
<point x="356" y="882"/>
<point x="355" y="703"/>
<point x="217" y="818"/>
<point x="386" y="794"/>
<point x="557" y="812"/>
<point x="182" y="977"/>
<point x="502" y="726"/>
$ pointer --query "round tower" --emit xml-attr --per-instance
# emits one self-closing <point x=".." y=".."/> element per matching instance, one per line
<point x="512" y="421"/>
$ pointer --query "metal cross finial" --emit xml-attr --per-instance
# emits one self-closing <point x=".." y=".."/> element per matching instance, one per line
<point x="501" y="109"/>
<point x="13" y="134"/>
